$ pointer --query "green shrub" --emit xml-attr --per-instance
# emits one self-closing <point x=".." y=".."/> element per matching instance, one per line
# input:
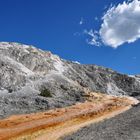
<point x="46" y="93"/>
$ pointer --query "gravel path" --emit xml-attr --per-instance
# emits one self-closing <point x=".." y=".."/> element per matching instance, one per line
<point x="125" y="126"/>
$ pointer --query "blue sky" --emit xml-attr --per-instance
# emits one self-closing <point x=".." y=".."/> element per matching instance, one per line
<point x="60" y="25"/>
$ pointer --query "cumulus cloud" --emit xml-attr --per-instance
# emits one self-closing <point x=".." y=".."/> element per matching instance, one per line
<point x="120" y="24"/>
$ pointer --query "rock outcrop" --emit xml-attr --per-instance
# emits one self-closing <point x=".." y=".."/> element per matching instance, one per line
<point x="33" y="80"/>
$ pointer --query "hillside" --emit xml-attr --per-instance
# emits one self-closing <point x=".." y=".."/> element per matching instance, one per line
<point x="33" y="80"/>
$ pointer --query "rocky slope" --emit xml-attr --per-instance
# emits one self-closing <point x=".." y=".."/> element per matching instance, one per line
<point x="33" y="80"/>
<point x="125" y="126"/>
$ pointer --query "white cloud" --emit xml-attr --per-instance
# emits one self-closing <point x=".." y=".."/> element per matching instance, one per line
<point x="96" y="19"/>
<point x="94" y="38"/>
<point x="81" y="21"/>
<point x="121" y="24"/>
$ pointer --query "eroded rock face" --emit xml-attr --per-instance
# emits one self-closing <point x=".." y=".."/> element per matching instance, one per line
<point x="104" y="80"/>
<point x="25" y="71"/>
